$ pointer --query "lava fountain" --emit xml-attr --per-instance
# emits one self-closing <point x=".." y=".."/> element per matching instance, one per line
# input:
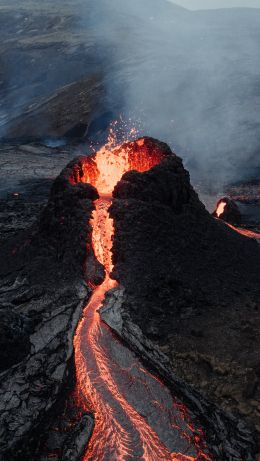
<point x="136" y="417"/>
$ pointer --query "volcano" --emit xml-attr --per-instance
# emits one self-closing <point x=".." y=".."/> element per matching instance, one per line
<point x="228" y="210"/>
<point x="126" y="220"/>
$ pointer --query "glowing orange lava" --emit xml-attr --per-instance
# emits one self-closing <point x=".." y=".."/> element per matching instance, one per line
<point x="221" y="208"/>
<point x="121" y="432"/>
<point x="246" y="232"/>
<point x="105" y="169"/>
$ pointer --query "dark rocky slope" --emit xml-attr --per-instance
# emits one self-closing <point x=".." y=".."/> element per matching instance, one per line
<point x="191" y="285"/>
<point x="43" y="292"/>
<point x="66" y="113"/>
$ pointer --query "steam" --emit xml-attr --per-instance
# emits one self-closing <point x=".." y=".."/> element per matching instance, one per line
<point x="191" y="77"/>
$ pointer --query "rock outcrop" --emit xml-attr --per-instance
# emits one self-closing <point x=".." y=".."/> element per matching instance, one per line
<point x="228" y="211"/>
<point x="43" y="292"/>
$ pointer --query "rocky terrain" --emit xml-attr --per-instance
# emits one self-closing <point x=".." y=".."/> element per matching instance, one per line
<point x="63" y="79"/>
<point x="44" y="273"/>
<point x="191" y="285"/>
<point x="43" y="290"/>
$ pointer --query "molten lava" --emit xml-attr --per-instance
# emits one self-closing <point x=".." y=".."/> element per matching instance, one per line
<point x="221" y="208"/>
<point x="246" y="232"/>
<point x="136" y="417"/>
<point x="105" y="168"/>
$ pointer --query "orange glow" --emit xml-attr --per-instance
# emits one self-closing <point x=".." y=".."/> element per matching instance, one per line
<point x="119" y="428"/>
<point x="246" y="232"/>
<point x="111" y="168"/>
<point x="221" y="208"/>
<point x="102" y="233"/>
<point x="106" y="167"/>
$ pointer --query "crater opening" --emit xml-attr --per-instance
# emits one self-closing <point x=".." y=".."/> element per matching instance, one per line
<point x="105" y="168"/>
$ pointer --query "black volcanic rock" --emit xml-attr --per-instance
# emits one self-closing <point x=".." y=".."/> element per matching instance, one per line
<point x="43" y="292"/>
<point x="191" y="284"/>
<point x="15" y="329"/>
<point x="65" y="229"/>
<point x="169" y="252"/>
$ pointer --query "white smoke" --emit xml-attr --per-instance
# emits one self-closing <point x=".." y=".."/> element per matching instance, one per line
<point x="192" y="77"/>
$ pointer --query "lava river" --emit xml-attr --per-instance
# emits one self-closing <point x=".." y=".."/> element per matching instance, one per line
<point x="136" y="417"/>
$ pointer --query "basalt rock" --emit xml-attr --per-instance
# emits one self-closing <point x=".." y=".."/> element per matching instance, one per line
<point x="43" y="292"/>
<point x="191" y="284"/>
<point x="15" y="329"/>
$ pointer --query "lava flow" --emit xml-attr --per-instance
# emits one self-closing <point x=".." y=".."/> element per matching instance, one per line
<point x="223" y="206"/>
<point x="246" y="232"/>
<point x="136" y="417"/>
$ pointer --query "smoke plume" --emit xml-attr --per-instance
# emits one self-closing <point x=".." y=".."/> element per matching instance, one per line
<point x="191" y="77"/>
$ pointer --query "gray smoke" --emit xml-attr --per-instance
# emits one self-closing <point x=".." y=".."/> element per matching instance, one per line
<point x="193" y="78"/>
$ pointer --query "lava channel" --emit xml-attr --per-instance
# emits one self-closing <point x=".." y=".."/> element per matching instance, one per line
<point x="136" y="417"/>
<point x="240" y="230"/>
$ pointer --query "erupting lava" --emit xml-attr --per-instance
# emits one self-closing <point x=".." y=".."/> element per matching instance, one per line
<point x="221" y="208"/>
<point x="107" y="166"/>
<point x="136" y="418"/>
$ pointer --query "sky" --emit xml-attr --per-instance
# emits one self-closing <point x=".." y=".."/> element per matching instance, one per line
<point x="206" y="4"/>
